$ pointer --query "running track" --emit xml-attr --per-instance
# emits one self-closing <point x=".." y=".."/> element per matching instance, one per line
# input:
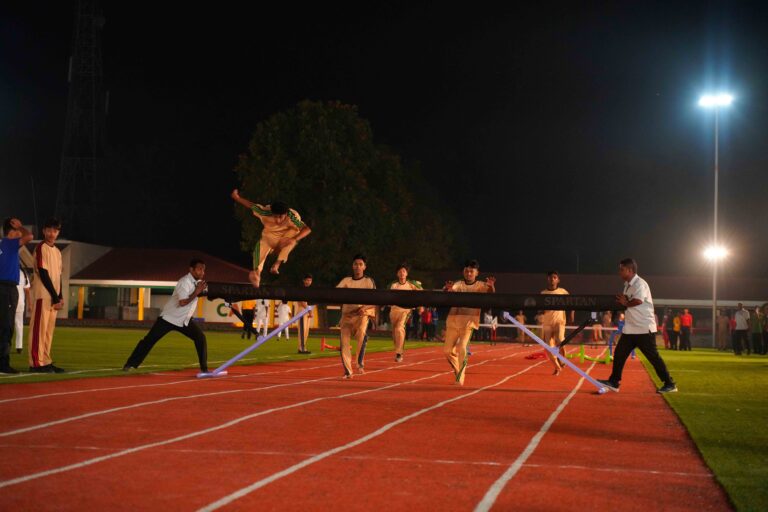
<point x="294" y="436"/>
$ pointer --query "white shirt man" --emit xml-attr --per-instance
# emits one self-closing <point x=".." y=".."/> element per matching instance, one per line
<point x="173" y="312"/>
<point x="639" y="329"/>
<point x="260" y="315"/>
<point x="176" y="316"/>
<point x="742" y="319"/>
<point x="639" y="319"/>
<point x="283" y="315"/>
<point x="21" y="308"/>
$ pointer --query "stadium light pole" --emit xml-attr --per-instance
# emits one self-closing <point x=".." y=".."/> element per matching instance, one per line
<point x="715" y="253"/>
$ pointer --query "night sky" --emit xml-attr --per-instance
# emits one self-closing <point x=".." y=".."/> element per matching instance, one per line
<point x="558" y="134"/>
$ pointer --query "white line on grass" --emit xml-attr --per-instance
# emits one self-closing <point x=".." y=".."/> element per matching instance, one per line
<point x="88" y="462"/>
<point x="493" y="492"/>
<point x="376" y="433"/>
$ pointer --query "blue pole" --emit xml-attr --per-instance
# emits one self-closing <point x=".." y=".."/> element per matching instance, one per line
<point x="259" y="341"/>
<point x="555" y="352"/>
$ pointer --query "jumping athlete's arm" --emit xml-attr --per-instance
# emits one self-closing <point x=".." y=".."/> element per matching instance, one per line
<point x="236" y="196"/>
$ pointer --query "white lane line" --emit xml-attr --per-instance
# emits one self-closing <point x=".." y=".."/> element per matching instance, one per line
<point x="376" y="433"/>
<point x="199" y="395"/>
<point x="186" y="397"/>
<point x="405" y="460"/>
<point x="88" y="462"/>
<point x="493" y="492"/>
<point x="183" y="381"/>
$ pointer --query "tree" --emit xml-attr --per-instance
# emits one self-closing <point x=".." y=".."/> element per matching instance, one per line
<point x="320" y="158"/>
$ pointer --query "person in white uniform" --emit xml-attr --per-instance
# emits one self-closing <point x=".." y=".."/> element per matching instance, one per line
<point x="21" y="309"/>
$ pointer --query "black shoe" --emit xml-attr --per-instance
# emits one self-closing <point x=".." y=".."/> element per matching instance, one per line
<point x="56" y="369"/>
<point x="667" y="388"/>
<point x="42" y="369"/>
<point x="9" y="370"/>
<point x="18" y="351"/>
<point x="609" y="384"/>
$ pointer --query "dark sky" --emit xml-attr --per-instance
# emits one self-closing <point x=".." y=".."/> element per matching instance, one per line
<point x="558" y="134"/>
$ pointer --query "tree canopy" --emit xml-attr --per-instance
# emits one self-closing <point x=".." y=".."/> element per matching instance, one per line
<point x="356" y="195"/>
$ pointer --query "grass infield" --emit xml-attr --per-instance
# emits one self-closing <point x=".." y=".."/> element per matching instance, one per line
<point x="723" y="402"/>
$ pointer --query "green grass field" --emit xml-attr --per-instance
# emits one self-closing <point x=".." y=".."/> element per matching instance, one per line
<point x="723" y="401"/>
<point x="93" y="352"/>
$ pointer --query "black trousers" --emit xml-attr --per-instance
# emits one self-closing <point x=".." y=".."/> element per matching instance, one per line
<point x="248" y="316"/>
<point x="673" y="338"/>
<point x="685" y="338"/>
<point x="740" y="341"/>
<point x="160" y="329"/>
<point x="757" y="343"/>
<point x="646" y="343"/>
<point x="9" y="297"/>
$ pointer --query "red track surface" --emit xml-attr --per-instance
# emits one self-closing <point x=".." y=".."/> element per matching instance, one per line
<point x="294" y="436"/>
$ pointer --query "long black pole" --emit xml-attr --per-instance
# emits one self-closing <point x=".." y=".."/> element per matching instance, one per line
<point x="234" y="292"/>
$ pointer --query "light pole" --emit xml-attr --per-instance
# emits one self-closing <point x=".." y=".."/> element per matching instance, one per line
<point x="715" y="253"/>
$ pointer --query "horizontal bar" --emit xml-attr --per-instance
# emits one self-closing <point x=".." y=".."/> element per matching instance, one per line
<point x="235" y="292"/>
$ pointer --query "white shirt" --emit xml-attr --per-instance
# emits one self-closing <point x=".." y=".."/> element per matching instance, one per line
<point x="742" y="319"/>
<point x="178" y="315"/>
<point x="639" y="319"/>
<point x="283" y="313"/>
<point x="23" y="285"/>
<point x="261" y="310"/>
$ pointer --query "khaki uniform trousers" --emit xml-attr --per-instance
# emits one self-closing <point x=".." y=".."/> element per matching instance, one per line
<point x="304" y="323"/>
<point x="41" y="327"/>
<point x="353" y="326"/>
<point x="398" y="317"/>
<point x="458" y="332"/>
<point x="552" y="335"/>
<point x="269" y="243"/>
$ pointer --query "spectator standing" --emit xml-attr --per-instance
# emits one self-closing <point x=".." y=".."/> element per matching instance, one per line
<point x="765" y="329"/>
<point x="686" y="326"/>
<point x="248" y="315"/>
<point x="306" y="321"/>
<point x="426" y="323"/>
<point x="15" y="235"/>
<point x="740" y="339"/>
<point x="47" y="300"/>
<point x="432" y="325"/>
<point x="283" y="315"/>
<point x="756" y="329"/>
<point x="21" y="308"/>
<point x="485" y="330"/>
<point x="665" y="321"/>
<point x="521" y="336"/>
<point x="597" y="329"/>
<point x="674" y="340"/>
<point x="723" y="330"/>
<point x="261" y="313"/>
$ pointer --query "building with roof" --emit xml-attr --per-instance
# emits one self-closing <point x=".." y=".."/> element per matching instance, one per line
<point x="131" y="284"/>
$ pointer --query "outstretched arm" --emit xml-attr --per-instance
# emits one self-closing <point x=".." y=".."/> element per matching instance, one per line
<point x="248" y="204"/>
